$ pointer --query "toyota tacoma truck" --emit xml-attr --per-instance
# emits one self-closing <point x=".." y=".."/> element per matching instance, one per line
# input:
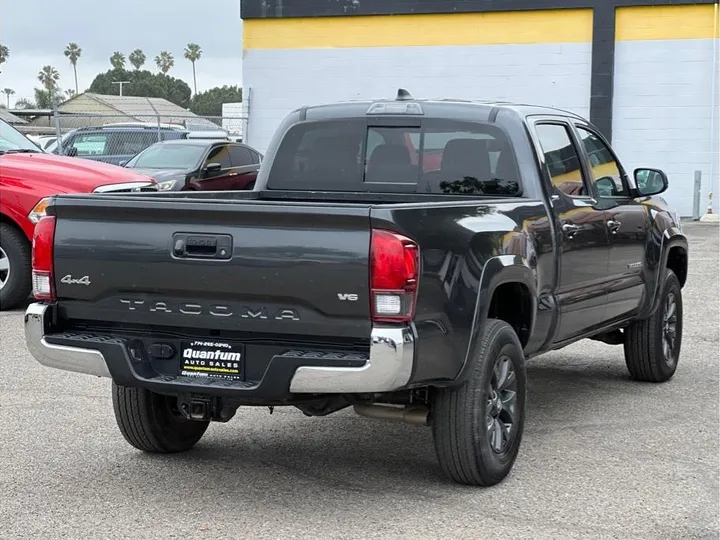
<point x="354" y="276"/>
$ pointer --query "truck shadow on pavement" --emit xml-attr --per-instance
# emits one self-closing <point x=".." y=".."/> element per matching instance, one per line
<point x="349" y="453"/>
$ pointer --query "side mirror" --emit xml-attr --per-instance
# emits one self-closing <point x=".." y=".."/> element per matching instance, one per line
<point x="123" y="163"/>
<point x="650" y="181"/>
<point x="212" y="168"/>
<point x="71" y="151"/>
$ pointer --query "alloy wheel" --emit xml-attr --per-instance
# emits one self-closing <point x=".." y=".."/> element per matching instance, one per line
<point x="501" y="410"/>
<point x="4" y="268"/>
<point x="670" y="329"/>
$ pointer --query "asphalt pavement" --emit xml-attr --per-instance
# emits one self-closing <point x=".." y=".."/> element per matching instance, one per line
<point x="602" y="456"/>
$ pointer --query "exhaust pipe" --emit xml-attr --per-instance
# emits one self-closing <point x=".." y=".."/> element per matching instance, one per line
<point x="419" y="416"/>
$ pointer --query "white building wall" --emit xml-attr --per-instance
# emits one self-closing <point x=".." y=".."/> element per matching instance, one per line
<point x="554" y="74"/>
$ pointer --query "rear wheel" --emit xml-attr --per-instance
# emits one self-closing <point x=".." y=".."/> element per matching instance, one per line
<point x="652" y="345"/>
<point x="478" y="426"/>
<point x="15" y="267"/>
<point x="152" y="423"/>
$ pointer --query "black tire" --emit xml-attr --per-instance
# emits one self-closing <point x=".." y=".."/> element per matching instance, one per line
<point x="646" y="355"/>
<point x="151" y="422"/>
<point x="17" y="250"/>
<point x="461" y="416"/>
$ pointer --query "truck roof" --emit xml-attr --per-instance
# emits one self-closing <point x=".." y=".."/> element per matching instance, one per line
<point x="431" y="108"/>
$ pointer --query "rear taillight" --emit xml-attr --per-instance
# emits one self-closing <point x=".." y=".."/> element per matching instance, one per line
<point x="42" y="259"/>
<point x="394" y="267"/>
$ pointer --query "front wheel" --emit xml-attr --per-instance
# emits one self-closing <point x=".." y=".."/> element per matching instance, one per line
<point x="478" y="426"/>
<point x="152" y="423"/>
<point x="652" y="345"/>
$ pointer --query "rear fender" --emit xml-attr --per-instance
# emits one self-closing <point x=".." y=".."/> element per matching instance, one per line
<point x="497" y="271"/>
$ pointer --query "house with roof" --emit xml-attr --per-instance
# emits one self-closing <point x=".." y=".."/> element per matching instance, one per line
<point x="10" y="118"/>
<point x="92" y="110"/>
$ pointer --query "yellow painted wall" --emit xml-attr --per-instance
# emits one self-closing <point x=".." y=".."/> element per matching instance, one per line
<point x="527" y="27"/>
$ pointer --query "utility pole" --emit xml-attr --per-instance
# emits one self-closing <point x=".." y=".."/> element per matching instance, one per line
<point x="121" y="85"/>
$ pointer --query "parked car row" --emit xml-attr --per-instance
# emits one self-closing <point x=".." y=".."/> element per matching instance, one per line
<point x="118" y="158"/>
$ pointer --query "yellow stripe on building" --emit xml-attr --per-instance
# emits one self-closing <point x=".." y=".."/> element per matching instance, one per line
<point x="665" y="22"/>
<point x="512" y="27"/>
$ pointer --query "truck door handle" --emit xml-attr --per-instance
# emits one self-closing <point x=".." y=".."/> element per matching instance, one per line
<point x="570" y="230"/>
<point x="613" y="225"/>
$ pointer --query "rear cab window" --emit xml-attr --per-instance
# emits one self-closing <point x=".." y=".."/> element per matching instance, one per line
<point x="432" y="156"/>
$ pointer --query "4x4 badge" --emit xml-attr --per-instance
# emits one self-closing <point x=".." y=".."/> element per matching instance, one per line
<point x="68" y="280"/>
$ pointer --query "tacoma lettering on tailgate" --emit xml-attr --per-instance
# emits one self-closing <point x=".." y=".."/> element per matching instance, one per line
<point x="216" y="310"/>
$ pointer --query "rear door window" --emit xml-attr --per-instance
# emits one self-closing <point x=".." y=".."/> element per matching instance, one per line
<point x="240" y="156"/>
<point x="440" y="157"/>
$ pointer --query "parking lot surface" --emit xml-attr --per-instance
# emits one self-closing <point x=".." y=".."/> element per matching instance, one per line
<point x="602" y="456"/>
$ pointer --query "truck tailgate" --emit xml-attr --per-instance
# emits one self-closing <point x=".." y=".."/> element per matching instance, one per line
<point x="259" y="266"/>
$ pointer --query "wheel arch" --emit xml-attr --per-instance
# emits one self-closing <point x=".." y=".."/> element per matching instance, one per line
<point x="505" y="279"/>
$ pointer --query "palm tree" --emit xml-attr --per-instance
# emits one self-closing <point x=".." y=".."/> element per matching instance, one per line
<point x="8" y="92"/>
<point x="118" y="60"/>
<point x="193" y="52"/>
<point x="73" y="53"/>
<point x="165" y="61"/>
<point x="48" y="77"/>
<point x="4" y="54"/>
<point x="70" y="93"/>
<point x="25" y="103"/>
<point x="137" y="58"/>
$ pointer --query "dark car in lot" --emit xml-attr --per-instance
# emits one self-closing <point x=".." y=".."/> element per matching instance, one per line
<point x="199" y="164"/>
<point x="114" y="144"/>
<point x="355" y="275"/>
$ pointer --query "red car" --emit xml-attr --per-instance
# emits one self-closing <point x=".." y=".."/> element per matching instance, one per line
<point x="28" y="177"/>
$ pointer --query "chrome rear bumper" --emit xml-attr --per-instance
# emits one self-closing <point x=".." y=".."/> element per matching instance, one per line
<point x="388" y="368"/>
<point x="75" y="359"/>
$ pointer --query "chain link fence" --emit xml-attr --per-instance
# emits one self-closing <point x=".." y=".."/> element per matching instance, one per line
<point x="114" y="138"/>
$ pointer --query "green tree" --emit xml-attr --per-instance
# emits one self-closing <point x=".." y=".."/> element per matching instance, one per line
<point x="47" y="98"/>
<point x="137" y="58"/>
<point x="143" y="83"/>
<point x="8" y="92"/>
<point x="25" y="103"/>
<point x="73" y="53"/>
<point x="165" y="62"/>
<point x="70" y="93"/>
<point x="193" y="52"/>
<point x="209" y="103"/>
<point x="4" y="54"/>
<point x="48" y="77"/>
<point x="117" y="60"/>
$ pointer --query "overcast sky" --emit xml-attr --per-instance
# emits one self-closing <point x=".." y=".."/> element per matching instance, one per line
<point x="37" y="31"/>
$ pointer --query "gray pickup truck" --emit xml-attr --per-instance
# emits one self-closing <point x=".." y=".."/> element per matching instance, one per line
<point x="403" y="257"/>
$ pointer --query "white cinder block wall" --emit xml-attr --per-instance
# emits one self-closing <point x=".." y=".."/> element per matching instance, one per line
<point x="547" y="74"/>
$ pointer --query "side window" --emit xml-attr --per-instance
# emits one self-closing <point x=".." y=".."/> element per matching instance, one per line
<point x="240" y="156"/>
<point x="90" y="144"/>
<point x="604" y="169"/>
<point x="562" y="159"/>
<point x="221" y="155"/>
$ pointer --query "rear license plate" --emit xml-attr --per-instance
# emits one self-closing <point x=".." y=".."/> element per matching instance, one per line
<point x="217" y="359"/>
